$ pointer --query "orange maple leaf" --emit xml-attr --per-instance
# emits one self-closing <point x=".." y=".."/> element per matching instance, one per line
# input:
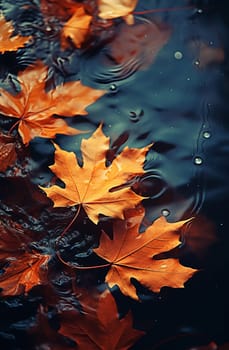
<point x="62" y="10"/>
<point x="98" y="327"/>
<point x="130" y="254"/>
<point x="118" y="8"/>
<point x="24" y="269"/>
<point x="7" y="151"/>
<point x="77" y="27"/>
<point x="8" y="41"/>
<point x="43" y="336"/>
<point x="12" y="240"/>
<point x="35" y="108"/>
<point x="23" y="273"/>
<point x="91" y="184"/>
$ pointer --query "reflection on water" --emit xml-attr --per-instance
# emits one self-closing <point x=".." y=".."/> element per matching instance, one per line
<point x="167" y="83"/>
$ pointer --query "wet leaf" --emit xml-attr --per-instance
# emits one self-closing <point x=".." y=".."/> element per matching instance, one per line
<point x="131" y="253"/>
<point x="55" y="8"/>
<point x="118" y="8"/>
<point x="22" y="269"/>
<point x="44" y="336"/>
<point x="13" y="240"/>
<point x="23" y="273"/>
<point x="139" y="43"/>
<point x="211" y="346"/>
<point x="9" y="41"/>
<point x="206" y="54"/>
<point x="7" y="151"/>
<point x="98" y="327"/>
<point x="77" y="27"/>
<point x="35" y="108"/>
<point x="91" y="184"/>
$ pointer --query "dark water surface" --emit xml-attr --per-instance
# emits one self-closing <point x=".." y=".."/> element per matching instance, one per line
<point x="180" y="102"/>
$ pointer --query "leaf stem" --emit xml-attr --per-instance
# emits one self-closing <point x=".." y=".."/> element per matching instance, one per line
<point x="70" y="223"/>
<point x="58" y="253"/>
<point x="163" y="10"/>
<point x="81" y="267"/>
<point x="13" y="127"/>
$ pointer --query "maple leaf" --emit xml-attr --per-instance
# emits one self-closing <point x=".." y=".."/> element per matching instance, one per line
<point x="35" y="108"/>
<point x="98" y="326"/>
<point x="139" y="43"/>
<point x="91" y="184"/>
<point x="206" y="54"/>
<point x="7" y="151"/>
<point x="118" y="8"/>
<point x="131" y="253"/>
<point x="62" y="10"/>
<point x="12" y="240"/>
<point x="8" y="41"/>
<point x="43" y="336"/>
<point x="77" y="27"/>
<point x="211" y="346"/>
<point x="23" y="273"/>
<point x="23" y="270"/>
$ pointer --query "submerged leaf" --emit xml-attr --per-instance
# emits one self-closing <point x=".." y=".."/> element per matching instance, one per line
<point x="91" y="184"/>
<point x="138" y="44"/>
<point x="7" y="151"/>
<point x="98" y="327"/>
<point x="55" y="8"/>
<point x="22" y="269"/>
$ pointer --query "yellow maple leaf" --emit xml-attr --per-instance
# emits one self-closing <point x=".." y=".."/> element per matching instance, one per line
<point x="118" y="8"/>
<point x="91" y="184"/>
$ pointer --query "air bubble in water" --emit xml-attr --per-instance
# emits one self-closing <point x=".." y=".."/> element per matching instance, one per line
<point x="200" y="11"/>
<point x="178" y="55"/>
<point x="198" y="160"/>
<point x="135" y="116"/>
<point x="165" y="212"/>
<point x="207" y="135"/>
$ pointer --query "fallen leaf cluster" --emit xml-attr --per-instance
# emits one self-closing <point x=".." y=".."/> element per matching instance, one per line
<point x="92" y="186"/>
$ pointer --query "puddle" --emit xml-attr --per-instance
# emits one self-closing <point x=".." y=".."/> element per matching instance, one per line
<point x="166" y="83"/>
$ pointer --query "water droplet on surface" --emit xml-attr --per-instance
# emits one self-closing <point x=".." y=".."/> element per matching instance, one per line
<point x="198" y="160"/>
<point x="165" y="212"/>
<point x="113" y="88"/>
<point x="163" y="266"/>
<point x="31" y="41"/>
<point x="206" y="134"/>
<point x="178" y="55"/>
<point x="48" y="29"/>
